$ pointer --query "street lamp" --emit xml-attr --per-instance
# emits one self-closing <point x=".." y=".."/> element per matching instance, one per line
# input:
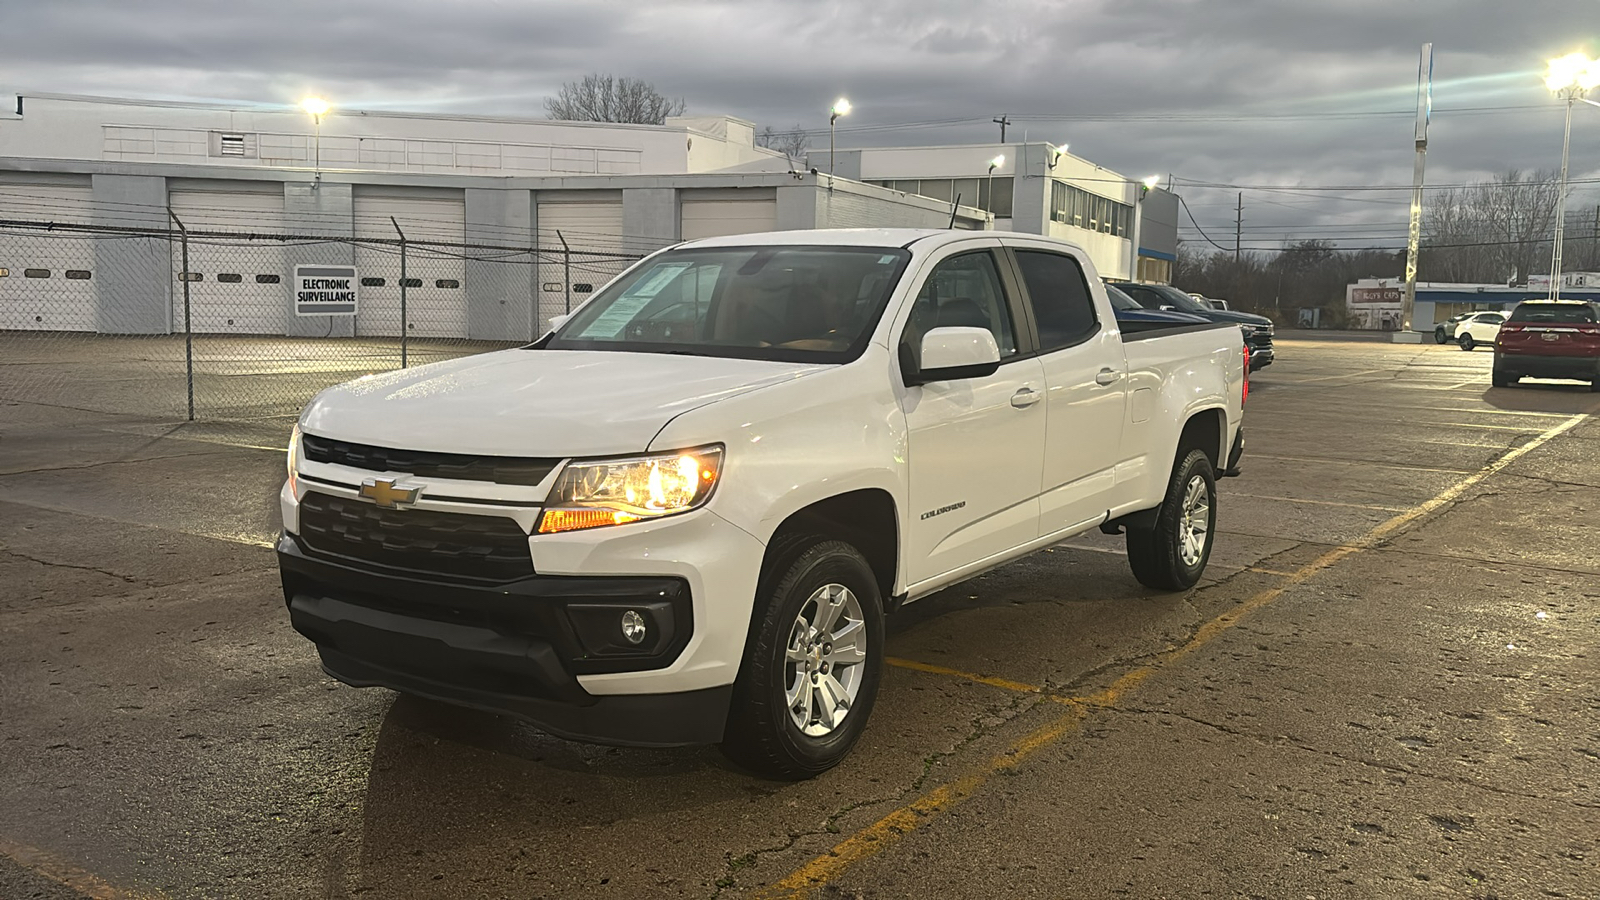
<point x="1570" y="78"/>
<point x="318" y="108"/>
<point x="841" y="107"/>
<point x="995" y="163"/>
<point x="1054" y="154"/>
<point x="1145" y="186"/>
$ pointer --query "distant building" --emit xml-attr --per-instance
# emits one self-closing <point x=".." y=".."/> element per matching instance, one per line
<point x="1375" y="303"/>
<point x="1037" y="189"/>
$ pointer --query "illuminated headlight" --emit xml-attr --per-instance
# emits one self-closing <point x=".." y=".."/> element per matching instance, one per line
<point x="294" y="456"/>
<point x="594" y="493"/>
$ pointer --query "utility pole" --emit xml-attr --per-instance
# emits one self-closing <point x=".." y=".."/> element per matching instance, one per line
<point x="1003" y="121"/>
<point x="1238" y="228"/>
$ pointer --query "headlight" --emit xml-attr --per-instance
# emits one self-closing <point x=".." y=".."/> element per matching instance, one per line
<point x="593" y="493"/>
<point x="294" y="456"/>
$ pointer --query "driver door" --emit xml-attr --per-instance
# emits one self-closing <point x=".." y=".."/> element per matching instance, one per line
<point x="976" y="451"/>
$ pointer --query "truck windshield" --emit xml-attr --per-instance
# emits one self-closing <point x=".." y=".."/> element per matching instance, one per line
<point x="783" y="303"/>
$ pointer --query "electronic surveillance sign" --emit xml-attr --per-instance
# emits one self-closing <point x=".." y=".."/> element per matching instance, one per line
<point x="325" y="290"/>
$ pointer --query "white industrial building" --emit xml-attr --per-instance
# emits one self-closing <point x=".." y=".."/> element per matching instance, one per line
<point x="1037" y="188"/>
<point x="254" y="169"/>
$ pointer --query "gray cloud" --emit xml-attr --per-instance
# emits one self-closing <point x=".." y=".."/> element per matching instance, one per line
<point x="1191" y="80"/>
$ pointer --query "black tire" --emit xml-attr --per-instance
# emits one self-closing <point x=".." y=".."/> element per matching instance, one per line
<point x="1439" y="336"/>
<point x="1466" y="342"/>
<point x="761" y="736"/>
<point x="1594" y="385"/>
<point x="1155" y="554"/>
<point x="1503" y="379"/>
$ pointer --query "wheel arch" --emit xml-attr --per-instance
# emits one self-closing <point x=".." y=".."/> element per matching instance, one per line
<point x="866" y="518"/>
<point x="1205" y="430"/>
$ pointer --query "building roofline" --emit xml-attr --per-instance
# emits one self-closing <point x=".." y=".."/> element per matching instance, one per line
<point x="268" y="107"/>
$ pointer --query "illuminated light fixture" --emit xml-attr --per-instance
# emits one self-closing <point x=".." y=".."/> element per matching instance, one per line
<point x="1572" y="71"/>
<point x="1054" y="154"/>
<point x="995" y="163"/>
<point x="1570" y="77"/>
<point x="1151" y="181"/>
<point x="318" y="108"/>
<point x="841" y="107"/>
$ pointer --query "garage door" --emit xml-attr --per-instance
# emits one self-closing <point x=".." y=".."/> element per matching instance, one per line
<point x="436" y="297"/>
<point x="49" y="277"/>
<point x="591" y="223"/>
<point x="238" y="285"/>
<point x="715" y="216"/>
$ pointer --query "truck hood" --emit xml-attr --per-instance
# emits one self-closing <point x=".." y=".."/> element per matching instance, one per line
<point x="543" y="403"/>
<point x="1236" y="318"/>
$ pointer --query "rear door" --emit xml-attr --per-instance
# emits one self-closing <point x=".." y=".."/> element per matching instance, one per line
<point x="1085" y="373"/>
<point x="976" y="445"/>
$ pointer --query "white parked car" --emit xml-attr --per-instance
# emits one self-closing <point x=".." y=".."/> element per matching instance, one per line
<point x="1479" y="328"/>
<point x="681" y="516"/>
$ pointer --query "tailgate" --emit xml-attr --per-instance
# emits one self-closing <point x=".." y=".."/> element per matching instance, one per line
<point x="1556" y="339"/>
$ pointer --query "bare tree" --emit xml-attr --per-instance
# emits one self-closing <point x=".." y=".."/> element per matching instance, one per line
<point x="607" y="98"/>
<point x="1491" y="232"/>
<point x="792" y="143"/>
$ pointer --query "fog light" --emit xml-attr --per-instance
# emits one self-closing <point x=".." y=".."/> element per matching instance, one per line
<point x="633" y="627"/>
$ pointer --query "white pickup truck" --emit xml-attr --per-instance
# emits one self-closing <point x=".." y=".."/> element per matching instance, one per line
<point x="681" y="516"/>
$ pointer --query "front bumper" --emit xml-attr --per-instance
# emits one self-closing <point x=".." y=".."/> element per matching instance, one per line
<point x="516" y="648"/>
<point x="1261" y="354"/>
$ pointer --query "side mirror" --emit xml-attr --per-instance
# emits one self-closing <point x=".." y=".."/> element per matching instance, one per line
<point x="557" y="321"/>
<point x="955" y="352"/>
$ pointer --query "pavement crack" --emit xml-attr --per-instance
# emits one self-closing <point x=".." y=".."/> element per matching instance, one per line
<point x="61" y="565"/>
<point x="1390" y="768"/>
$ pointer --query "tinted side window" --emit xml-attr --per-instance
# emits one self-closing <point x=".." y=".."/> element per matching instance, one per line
<point x="1146" y="297"/>
<point x="1061" y="305"/>
<point x="963" y="290"/>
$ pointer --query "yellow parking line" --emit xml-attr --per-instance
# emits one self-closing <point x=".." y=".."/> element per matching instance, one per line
<point x="1003" y="683"/>
<point x="83" y="883"/>
<point x="882" y="834"/>
<point x="1317" y="502"/>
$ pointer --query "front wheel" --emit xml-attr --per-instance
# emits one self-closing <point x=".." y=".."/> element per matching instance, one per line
<point x="1172" y="555"/>
<point x="812" y="663"/>
<point x="1466" y="342"/>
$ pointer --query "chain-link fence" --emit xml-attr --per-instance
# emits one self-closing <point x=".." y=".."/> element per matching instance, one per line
<point x="203" y="324"/>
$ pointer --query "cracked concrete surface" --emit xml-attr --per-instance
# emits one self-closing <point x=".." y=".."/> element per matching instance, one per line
<point x="1404" y="723"/>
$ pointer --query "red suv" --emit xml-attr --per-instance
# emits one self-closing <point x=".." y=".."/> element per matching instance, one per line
<point x="1549" y="339"/>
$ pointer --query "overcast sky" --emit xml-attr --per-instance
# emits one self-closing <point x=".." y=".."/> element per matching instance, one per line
<point x="1260" y="93"/>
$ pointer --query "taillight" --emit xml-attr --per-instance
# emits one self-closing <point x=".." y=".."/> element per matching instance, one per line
<point x="1245" y="393"/>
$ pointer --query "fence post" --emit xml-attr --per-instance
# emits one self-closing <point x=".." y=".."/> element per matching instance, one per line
<point x="405" y="335"/>
<point x="188" y="329"/>
<point x="566" y="268"/>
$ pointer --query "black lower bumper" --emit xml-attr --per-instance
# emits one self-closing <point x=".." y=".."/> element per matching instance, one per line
<point x="515" y="648"/>
<point x="1583" y="368"/>
<point x="1261" y="356"/>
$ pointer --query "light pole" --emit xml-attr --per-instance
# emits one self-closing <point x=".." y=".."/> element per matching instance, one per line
<point x="1570" y="77"/>
<point x="995" y="163"/>
<point x="841" y="107"/>
<point x="317" y="107"/>
<point x="1138" y="222"/>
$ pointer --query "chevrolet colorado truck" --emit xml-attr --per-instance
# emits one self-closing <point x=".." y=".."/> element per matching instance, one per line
<point x="681" y="515"/>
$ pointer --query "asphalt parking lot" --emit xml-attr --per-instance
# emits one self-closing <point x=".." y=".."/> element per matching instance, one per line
<point x="1387" y="686"/>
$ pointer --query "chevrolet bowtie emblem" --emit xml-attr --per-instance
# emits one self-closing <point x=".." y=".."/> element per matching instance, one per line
<point x="387" y="494"/>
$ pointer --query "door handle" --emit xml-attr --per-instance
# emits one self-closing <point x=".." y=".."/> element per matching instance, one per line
<point x="1025" y="398"/>
<point x="1107" y="376"/>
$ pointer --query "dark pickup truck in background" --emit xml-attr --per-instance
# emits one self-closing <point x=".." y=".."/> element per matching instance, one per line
<point x="1257" y="329"/>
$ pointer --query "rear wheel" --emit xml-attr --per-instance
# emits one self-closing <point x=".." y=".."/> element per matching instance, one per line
<point x="1504" y="379"/>
<point x="1172" y="555"/>
<point x="1594" y="385"/>
<point x="1439" y="336"/>
<point x="1466" y="342"/>
<point x="812" y="662"/>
